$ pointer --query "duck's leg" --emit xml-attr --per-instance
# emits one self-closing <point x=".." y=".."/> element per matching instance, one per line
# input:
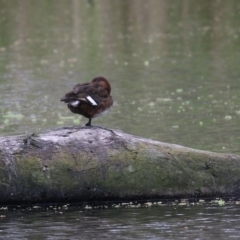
<point x="89" y="122"/>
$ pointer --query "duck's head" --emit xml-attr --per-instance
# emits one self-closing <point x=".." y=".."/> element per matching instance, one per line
<point x="103" y="82"/>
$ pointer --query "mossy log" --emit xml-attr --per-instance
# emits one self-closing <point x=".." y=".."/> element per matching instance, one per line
<point x="93" y="164"/>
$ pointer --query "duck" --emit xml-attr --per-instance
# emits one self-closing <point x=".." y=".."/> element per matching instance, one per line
<point x="90" y="100"/>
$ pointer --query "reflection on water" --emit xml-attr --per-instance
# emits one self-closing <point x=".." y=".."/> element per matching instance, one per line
<point x="178" y="222"/>
<point x="173" y="66"/>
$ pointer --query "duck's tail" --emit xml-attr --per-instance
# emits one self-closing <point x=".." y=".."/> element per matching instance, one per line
<point x="69" y="97"/>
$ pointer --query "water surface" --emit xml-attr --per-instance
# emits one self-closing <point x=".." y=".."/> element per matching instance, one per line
<point x="173" y="67"/>
<point x="169" y="222"/>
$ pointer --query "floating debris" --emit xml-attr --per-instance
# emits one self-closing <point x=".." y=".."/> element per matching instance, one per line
<point x="12" y="115"/>
<point x="76" y="121"/>
<point x="146" y="63"/>
<point x="179" y="90"/>
<point x="228" y="117"/>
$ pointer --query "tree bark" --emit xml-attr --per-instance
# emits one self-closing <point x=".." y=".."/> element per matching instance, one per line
<point x="75" y="164"/>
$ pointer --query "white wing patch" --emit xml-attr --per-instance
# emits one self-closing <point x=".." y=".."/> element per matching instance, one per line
<point x="90" y="99"/>
<point x="75" y="103"/>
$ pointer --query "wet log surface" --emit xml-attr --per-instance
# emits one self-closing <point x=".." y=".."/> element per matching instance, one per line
<point x="76" y="164"/>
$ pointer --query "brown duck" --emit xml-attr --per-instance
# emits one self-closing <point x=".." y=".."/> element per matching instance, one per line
<point x="90" y="99"/>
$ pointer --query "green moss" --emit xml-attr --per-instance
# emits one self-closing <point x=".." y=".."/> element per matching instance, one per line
<point x="147" y="169"/>
<point x="29" y="174"/>
<point x="140" y="170"/>
<point x="4" y="179"/>
<point x="64" y="169"/>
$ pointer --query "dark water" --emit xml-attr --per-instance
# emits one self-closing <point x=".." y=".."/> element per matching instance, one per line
<point x="169" y="222"/>
<point x="175" y="76"/>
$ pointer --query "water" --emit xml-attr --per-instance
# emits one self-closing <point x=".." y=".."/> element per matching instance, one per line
<point x="173" y="67"/>
<point x="169" y="222"/>
<point x="175" y="76"/>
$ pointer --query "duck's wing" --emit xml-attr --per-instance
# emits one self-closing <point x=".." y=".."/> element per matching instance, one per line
<point x="92" y="94"/>
<point x="76" y="94"/>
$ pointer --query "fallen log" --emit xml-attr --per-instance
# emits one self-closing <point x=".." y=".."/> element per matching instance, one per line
<point x="75" y="164"/>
